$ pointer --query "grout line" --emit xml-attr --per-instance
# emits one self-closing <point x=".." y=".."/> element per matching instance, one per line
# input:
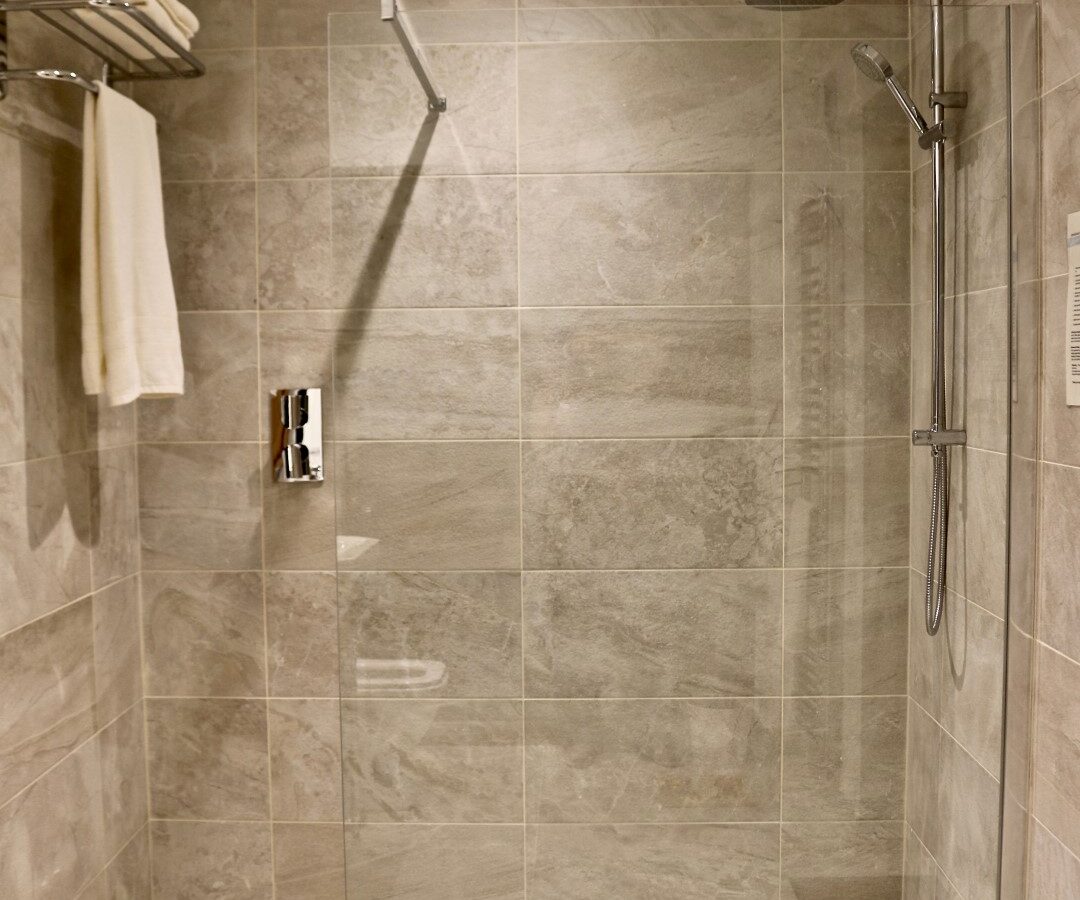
<point x="996" y="778"/>
<point x="783" y="460"/>
<point x="510" y="698"/>
<point x="591" y="823"/>
<point x="527" y="571"/>
<point x="561" y="440"/>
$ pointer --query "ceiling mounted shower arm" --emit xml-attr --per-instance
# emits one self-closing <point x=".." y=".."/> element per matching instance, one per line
<point x="395" y="15"/>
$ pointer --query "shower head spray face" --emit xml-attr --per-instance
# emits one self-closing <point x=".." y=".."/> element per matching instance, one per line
<point x="871" y="63"/>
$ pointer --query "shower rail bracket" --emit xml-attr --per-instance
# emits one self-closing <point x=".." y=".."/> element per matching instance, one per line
<point x="950" y="99"/>
<point x="395" y="15"/>
<point x="930" y="437"/>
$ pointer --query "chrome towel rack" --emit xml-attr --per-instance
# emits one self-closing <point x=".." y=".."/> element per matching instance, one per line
<point x="395" y="15"/>
<point x="87" y="22"/>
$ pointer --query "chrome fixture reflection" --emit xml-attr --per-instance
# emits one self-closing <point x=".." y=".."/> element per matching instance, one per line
<point x="391" y="12"/>
<point x="938" y="437"/>
<point x="297" y="439"/>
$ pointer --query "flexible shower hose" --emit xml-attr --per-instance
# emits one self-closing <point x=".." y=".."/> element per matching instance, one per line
<point x="937" y="557"/>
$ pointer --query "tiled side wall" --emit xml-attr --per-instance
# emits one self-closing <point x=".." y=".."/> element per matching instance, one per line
<point x="617" y="379"/>
<point x="1054" y="865"/>
<point x="73" y="791"/>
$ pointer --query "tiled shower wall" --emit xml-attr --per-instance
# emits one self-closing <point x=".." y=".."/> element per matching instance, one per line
<point x="73" y="805"/>
<point x="617" y="377"/>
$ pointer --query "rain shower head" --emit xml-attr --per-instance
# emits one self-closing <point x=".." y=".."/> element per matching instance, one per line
<point x="875" y="66"/>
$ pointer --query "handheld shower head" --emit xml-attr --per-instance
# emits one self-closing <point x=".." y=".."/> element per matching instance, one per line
<point x="876" y="67"/>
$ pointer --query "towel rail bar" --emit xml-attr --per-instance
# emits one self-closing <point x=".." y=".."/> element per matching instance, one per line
<point x="158" y="54"/>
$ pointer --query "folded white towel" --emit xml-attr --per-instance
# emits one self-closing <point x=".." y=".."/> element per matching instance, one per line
<point x="131" y="336"/>
<point x="171" y="16"/>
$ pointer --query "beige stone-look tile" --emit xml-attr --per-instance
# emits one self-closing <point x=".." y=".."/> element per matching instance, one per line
<point x="874" y="20"/>
<point x="51" y="834"/>
<point x="658" y="239"/>
<point x="651" y="372"/>
<point x="450" y="505"/>
<point x="844" y="758"/>
<point x="652" y="760"/>
<point x="199" y="506"/>
<point x="114" y="426"/>
<point x="208" y="124"/>
<point x="295" y="23"/>
<point x="1060" y="423"/>
<point x="979" y="218"/>
<point x="226" y="860"/>
<point x="846" y="502"/>
<point x="302" y="631"/>
<point x="220" y="383"/>
<point x="847" y="370"/>
<point x="294" y="244"/>
<point x="639" y="504"/>
<point x="694" y="107"/>
<point x="690" y="23"/>
<point x="843" y="861"/>
<point x="309" y="862"/>
<point x="117" y="661"/>
<point x="692" y="862"/>
<point x="652" y="634"/>
<point x="426" y="374"/>
<point x="430" y="634"/>
<point x="45" y="535"/>
<point x="211" y="235"/>
<point x="1056" y="785"/>
<point x="223" y="23"/>
<point x="1060" y="37"/>
<point x="432" y="22"/>
<point x="12" y="381"/>
<point x="203" y="634"/>
<point x="380" y="125"/>
<point x="11" y="263"/>
<point x="115" y="509"/>
<point x="978" y="559"/>
<point x="424" y="242"/>
<point x="1054" y="871"/>
<point x="47" y="691"/>
<point x="305" y="760"/>
<point x="122" y="757"/>
<point x="843" y="631"/>
<point x="49" y="217"/>
<point x="980" y="389"/>
<point x="128" y="875"/>
<point x="292" y="112"/>
<point x="836" y="119"/>
<point x="452" y="862"/>
<point x="55" y="406"/>
<point x="207" y="759"/>
<point x="847" y="238"/>
<point x="299" y="525"/>
<point x="432" y="760"/>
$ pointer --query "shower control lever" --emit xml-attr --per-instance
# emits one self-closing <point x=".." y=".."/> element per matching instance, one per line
<point x="297" y="420"/>
<point x="930" y="438"/>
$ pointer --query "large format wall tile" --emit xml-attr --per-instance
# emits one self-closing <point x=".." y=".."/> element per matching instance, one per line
<point x="1060" y="423"/>
<point x="294" y="244"/>
<point x="379" y="124"/>
<point x="302" y="633"/>
<point x="117" y="651"/>
<point x="1056" y="785"/>
<point x="847" y="238"/>
<point x="207" y="759"/>
<point x="696" y="106"/>
<point x="424" y="242"/>
<point x="979" y="214"/>
<point x="1060" y="34"/>
<point x="12" y="379"/>
<point x="199" y="506"/>
<point x="844" y="758"/>
<point x="432" y="760"/>
<point x="305" y="760"/>
<point x="650" y="239"/>
<point x="835" y="118"/>
<point x="843" y="861"/>
<point x="652" y="634"/>
<point x="293" y="140"/>
<point x="211" y="859"/>
<point x="432" y="21"/>
<point x="646" y="24"/>
<point x="692" y="862"/>
<point x="847" y="370"/>
<point x="122" y="760"/>
<point x="445" y="634"/>
<point x="1054" y="871"/>
<point x="220" y="383"/>
<point x="450" y="505"/>
<point x="211" y="235"/>
<point x="203" y="634"/>
<point x="631" y="504"/>
<point x="843" y="631"/>
<point x="115" y="507"/>
<point x="455" y="862"/>
<point x="1059" y="559"/>
<point x="309" y="861"/>
<point x="651" y="373"/>
<point x="208" y="124"/>
<point x="45" y="524"/>
<point x="47" y="691"/>
<point x="652" y="760"/>
<point x="427" y="374"/>
<point x="846" y="502"/>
